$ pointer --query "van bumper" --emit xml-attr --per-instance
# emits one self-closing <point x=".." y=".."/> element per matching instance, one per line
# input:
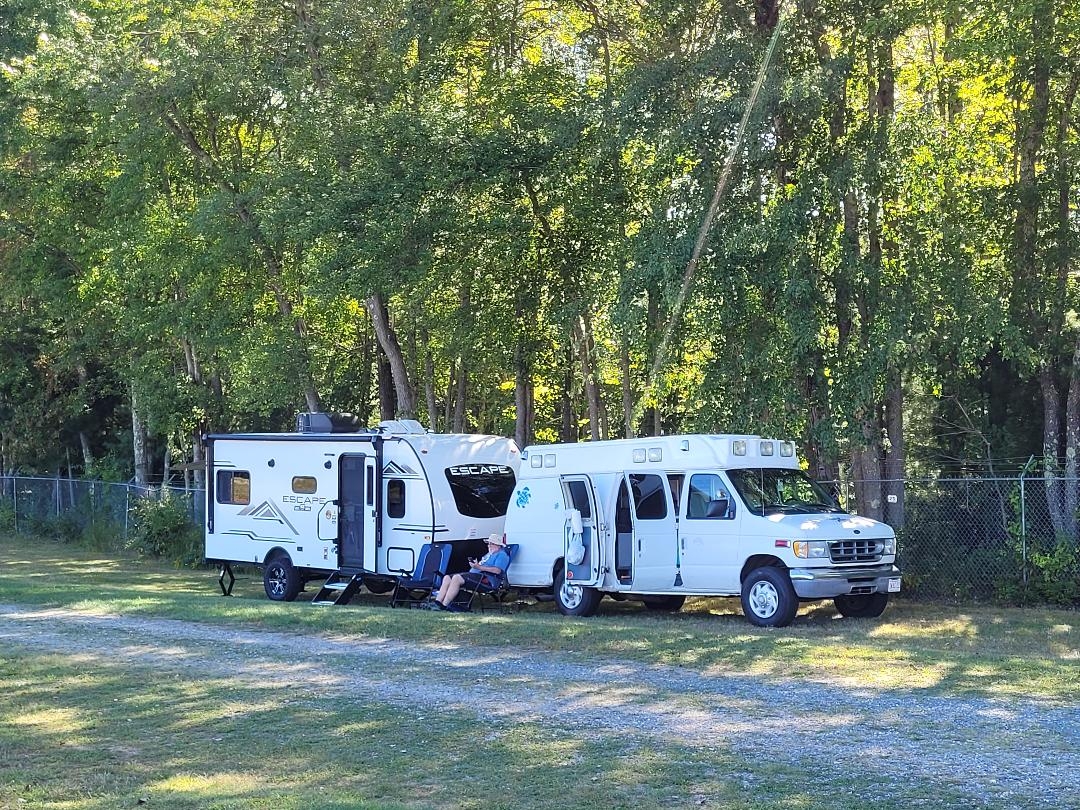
<point x="825" y="583"/>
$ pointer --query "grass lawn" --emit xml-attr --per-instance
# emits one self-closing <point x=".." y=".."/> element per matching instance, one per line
<point x="87" y="736"/>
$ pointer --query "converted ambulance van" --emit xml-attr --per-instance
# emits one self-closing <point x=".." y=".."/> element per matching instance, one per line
<point x="663" y="518"/>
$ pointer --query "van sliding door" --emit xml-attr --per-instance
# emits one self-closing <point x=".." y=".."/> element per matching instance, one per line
<point x="655" y="533"/>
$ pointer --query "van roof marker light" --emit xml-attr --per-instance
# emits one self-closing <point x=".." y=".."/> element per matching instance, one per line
<point x="656" y="453"/>
<point x="787" y="449"/>
<point x="549" y="459"/>
<point x="766" y="448"/>
<point x="684" y="445"/>
<point x="738" y="447"/>
<point x="536" y="461"/>
<point x="638" y="455"/>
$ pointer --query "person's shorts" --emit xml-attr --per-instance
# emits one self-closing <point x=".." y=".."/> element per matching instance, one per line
<point x="472" y="578"/>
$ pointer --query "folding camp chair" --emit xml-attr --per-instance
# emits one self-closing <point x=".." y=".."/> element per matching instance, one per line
<point x="470" y="596"/>
<point x="412" y="588"/>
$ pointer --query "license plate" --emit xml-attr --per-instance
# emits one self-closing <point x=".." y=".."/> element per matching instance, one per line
<point x="894" y="585"/>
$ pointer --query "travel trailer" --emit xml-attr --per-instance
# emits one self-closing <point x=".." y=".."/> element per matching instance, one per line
<point x="663" y="518"/>
<point x="352" y="506"/>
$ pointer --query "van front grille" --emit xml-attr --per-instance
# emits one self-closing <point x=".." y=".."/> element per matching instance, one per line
<point x="849" y="551"/>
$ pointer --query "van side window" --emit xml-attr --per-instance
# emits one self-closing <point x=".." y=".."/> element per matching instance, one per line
<point x="650" y="502"/>
<point x="579" y="496"/>
<point x="704" y="490"/>
<point x="395" y="498"/>
<point x="234" y="486"/>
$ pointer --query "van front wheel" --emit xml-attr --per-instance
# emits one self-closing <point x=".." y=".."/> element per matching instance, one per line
<point x="574" y="600"/>
<point x="768" y="598"/>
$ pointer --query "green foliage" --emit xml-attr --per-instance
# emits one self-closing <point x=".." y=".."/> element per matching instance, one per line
<point x="163" y="529"/>
<point x="1055" y="574"/>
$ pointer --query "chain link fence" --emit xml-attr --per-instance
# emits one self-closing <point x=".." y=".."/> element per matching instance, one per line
<point x="76" y="506"/>
<point x="967" y="539"/>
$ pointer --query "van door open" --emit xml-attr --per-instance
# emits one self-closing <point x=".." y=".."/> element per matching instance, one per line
<point x="357" y="512"/>
<point x="655" y="532"/>
<point x="581" y="526"/>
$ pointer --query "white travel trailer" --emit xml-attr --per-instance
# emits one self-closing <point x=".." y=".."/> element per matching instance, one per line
<point x="668" y="517"/>
<point x="354" y="506"/>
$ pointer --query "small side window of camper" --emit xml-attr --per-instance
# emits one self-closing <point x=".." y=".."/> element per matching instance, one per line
<point x="481" y="490"/>
<point x="234" y="486"/>
<point x="579" y="497"/>
<point x="649" y="500"/>
<point x="395" y="498"/>
<point x="304" y="485"/>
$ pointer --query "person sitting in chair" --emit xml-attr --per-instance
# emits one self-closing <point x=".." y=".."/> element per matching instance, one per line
<point x="488" y="570"/>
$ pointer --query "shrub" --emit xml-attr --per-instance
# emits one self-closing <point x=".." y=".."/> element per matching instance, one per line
<point x="162" y="528"/>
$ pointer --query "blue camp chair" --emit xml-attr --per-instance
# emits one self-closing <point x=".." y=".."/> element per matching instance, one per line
<point x="497" y="592"/>
<point x="412" y="588"/>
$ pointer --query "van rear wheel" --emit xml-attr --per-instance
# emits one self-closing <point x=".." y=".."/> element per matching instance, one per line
<point x="281" y="581"/>
<point x="768" y="598"/>
<point x="574" y="600"/>
<point x="861" y="606"/>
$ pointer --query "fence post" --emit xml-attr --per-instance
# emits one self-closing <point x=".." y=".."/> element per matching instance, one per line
<point x="15" y="499"/>
<point x="1023" y="520"/>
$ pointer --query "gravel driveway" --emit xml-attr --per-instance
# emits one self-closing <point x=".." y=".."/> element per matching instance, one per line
<point x="995" y="753"/>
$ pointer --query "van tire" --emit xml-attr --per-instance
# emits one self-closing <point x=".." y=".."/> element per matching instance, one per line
<point x="281" y="579"/>
<point x="768" y="598"/>
<point x="574" y="600"/>
<point x="861" y="606"/>
<point x="664" y="604"/>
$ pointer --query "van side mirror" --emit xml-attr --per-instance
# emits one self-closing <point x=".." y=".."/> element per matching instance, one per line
<point x="718" y="508"/>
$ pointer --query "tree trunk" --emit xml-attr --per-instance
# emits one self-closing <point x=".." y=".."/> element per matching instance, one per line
<point x="627" y="387"/>
<point x="522" y="399"/>
<point x="582" y="336"/>
<point x="1055" y="495"/>
<point x="140" y="443"/>
<point x="896" y="454"/>
<point x="387" y="398"/>
<point x="429" y="382"/>
<point x="460" y="396"/>
<point x="568" y="429"/>
<point x="388" y="342"/>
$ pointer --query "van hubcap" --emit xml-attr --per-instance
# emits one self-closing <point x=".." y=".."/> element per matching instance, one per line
<point x="764" y="600"/>
<point x="570" y="595"/>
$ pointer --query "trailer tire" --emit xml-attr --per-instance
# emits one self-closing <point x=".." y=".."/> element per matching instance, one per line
<point x="574" y="600"/>
<point x="281" y="579"/>
<point x="768" y="598"/>
<point x="664" y="604"/>
<point x="861" y="606"/>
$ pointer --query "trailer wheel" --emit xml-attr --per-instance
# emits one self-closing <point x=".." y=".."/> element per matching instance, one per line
<point x="281" y="581"/>
<point x="664" y="604"/>
<point x="574" y="600"/>
<point x="861" y="606"/>
<point x="768" y="598"/>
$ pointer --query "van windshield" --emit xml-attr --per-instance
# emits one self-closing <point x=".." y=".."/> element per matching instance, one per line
<point x="770" y="491"/>
<point x="481" y="490"/>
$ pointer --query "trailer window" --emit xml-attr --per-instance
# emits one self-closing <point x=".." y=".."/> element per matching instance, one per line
<point x="650" y="502"/>
<point x="304" y="485"/>
<point x="395" y="498"/>
<point x="481" y="490"/>
<point x="234" y="486"/>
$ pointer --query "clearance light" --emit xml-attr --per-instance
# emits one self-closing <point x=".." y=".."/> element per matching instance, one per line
<point x="536" y="461"/>
<point x="656" y="453"/>
<point x="765" y="448"/>
<point x="738" y="447"/>
<point x="780" y="543"/>
<point x="549" y="459"/>
<point x="787" y="449"/>
<point x="639" y="455"/>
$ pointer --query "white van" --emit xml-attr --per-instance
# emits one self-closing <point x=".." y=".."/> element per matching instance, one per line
<point x="352" y="504"/>
<point x="663" y="518"/>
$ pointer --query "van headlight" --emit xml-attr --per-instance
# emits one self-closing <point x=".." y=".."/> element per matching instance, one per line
<point x="811" y="549"/>
<point x="888" y="546"/>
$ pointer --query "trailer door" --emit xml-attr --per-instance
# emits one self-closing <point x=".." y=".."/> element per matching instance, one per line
<point x="578" y="495"/>
<point x="357" y="512"/>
